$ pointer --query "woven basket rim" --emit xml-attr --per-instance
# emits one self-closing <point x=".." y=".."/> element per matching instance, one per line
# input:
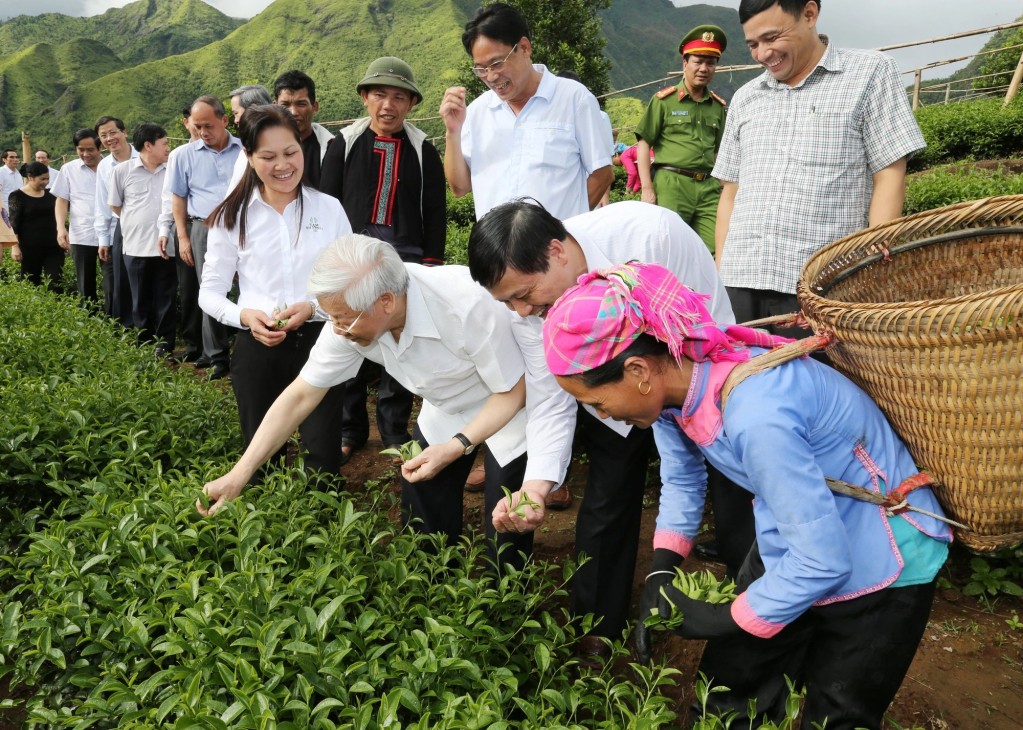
<point x="901" y="230"/>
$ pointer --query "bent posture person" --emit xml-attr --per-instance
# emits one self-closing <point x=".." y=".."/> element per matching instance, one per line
<point x="839" y="594"/>
<point x="442" y="337"/>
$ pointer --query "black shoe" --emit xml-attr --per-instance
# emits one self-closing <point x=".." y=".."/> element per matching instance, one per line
<point x="202" y="362"/>
<point x="164" y="352"/>
<point x="352" y="447"/>
<point x="220" y="370"/>
<point x="191" y="356"/>
<point x="708" y="551"/>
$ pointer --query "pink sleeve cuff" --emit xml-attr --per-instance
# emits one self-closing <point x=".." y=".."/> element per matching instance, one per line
<point x="749" y="622"/>
<point x="674" y="541"/>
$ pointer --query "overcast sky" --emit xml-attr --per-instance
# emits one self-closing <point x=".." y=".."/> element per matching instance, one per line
<point x="853" y="23"/>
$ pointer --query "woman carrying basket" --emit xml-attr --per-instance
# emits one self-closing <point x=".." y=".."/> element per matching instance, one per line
<point x="839" y="594"/>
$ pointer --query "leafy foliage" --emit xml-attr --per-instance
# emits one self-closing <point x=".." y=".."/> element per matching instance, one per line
<point x="947" y="186"/>
<point x="1003" y="63"/>
<point x="296" y="606"/>
<point x="979" y="130"/>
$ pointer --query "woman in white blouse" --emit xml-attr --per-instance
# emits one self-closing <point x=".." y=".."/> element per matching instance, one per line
<point x="269" y="231"/>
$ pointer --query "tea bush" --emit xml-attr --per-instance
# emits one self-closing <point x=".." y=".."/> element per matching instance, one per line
<point x="941" y="187"/>
<point x="977" y="130"/>
<point x="292" y="607"/>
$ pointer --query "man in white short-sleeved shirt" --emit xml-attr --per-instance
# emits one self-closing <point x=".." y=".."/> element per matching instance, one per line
<point x="532" y="134"/>
<point x="75" y="191"/>
<point x="135" y="188"/>
<point x="442" y="337"/>
<point x="505" y="250"/>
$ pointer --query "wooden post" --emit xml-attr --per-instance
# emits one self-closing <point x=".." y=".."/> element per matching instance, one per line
<point x="916" y="89"/>
<point x="948" y="91"/>
<point x="26" y="147"/>
<point x="1014" y="84"/>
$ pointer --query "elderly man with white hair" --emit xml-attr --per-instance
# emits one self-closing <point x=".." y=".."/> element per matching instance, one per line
<point x="444" y="338"/>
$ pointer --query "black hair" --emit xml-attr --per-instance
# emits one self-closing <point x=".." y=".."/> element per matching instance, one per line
<point x="83" y="134"/>
<point x="3" y="155"/>
<point x="147" y="133"/>
<point x="295" y="80"/>
<point x="514" y="235"/>
<point x="216" y="104"/>
<point x="257" y="119"/>
<point x="614" y="369"/>
<point x="106" y="120"/>
<point x="499" y="21"/>
<point x="568" y="74"/>
<point x="186" y="111"/>
<point x="35" y="169"/>
<point x="749" y="8"/>
<point x="43" y="151"/>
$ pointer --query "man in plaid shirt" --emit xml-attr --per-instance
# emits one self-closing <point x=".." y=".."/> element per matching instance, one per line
<point x="813" y="150"/>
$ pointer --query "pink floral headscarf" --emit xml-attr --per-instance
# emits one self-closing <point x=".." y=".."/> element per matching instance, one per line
<point x="604" y="313"/>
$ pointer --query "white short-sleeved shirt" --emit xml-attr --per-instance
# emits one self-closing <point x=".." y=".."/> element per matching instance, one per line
<point x="104" y="221"/>
<point x="609" y="236"/>
<point x="455" y="351"/>
<point x="136" y="191"/>
<point x="76" y="184"/>
<point x="547" y="151"/>
<point x="10" y="180"/>
<point x="280" y="250"/>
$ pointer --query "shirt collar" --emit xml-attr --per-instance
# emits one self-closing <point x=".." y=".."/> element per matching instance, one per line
<point x="418" y="322"/>
<point x="545" y="90"/>
<point x="232" y="141"/>
<point x="257" y="197"/>
<point x="830" y="62"/>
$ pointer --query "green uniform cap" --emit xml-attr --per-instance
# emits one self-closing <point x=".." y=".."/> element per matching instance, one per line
<point x="704" y="40"/>
<point x="390" y="71"/>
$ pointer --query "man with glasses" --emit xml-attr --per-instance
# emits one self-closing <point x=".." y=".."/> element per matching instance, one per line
<point x="531" y="134"/>
<point x="117" y="301"/>
<point x="683" y="125"/>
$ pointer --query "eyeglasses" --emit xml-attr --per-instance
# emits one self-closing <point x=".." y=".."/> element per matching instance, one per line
<point x="338" y="328"/>
<point x="483" y="71"/>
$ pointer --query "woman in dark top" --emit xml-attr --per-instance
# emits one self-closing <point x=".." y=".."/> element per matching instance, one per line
<point x="32" y="219"/>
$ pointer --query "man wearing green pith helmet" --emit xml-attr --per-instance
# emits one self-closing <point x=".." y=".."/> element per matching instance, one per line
<point x="683" y="125"/>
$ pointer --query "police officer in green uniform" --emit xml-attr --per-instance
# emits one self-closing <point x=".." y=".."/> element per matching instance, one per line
<point x="683" y="125"/>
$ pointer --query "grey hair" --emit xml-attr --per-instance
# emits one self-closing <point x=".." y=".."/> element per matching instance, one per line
<point x="359" y="268"/>
<point x="251" y="94"/>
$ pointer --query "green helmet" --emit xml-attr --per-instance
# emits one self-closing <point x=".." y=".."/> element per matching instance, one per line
<point x="390" y="71"/>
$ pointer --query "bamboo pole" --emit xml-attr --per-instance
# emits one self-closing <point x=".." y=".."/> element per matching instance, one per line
<point x="948" y="91"/>
<point x="1014" y="84"/>
<point x="26" y="147"/>
<point x="916" y="90"/>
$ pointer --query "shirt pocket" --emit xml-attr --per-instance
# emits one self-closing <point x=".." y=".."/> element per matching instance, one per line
<point x="828" y="139"/>
<point x="550" y="145"/>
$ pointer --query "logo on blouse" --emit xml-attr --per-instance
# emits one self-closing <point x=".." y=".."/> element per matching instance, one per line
<point x="313" y="225"/>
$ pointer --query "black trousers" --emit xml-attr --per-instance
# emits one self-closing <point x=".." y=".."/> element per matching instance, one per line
<point x="216" y="343"/>
<point x="435" y="505"/>
<point x="852" y="657"/>
<point x="259" y="374"/>
<point x="735" y="530"/>
<point x="85" y="259"/>
<point x="190" y="315"/>
<point x="153" y="282"/>
<point x="39" y="260"/>
<point x="394" y="406"/>
<point x="122" y="304"/>
<point x="750" y="304"/>
<point x="607" y="524"/>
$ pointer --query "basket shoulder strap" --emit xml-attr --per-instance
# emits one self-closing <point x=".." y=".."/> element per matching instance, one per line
<point x="770" y="359"/>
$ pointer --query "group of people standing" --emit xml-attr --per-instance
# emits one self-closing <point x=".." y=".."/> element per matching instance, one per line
<point x="571" y="321"/>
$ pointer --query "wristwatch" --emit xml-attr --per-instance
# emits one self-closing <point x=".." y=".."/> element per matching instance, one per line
<point x="469" y="445"/>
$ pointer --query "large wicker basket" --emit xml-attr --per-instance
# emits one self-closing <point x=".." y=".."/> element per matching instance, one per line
<point x="927" y="312"/>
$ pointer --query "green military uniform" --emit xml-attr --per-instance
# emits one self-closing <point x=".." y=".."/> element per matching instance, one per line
<point x="685" y="134"/>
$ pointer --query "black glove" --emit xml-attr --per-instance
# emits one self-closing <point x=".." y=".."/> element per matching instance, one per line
<point x="662" y="572"/>
<point x="700" y="619"/>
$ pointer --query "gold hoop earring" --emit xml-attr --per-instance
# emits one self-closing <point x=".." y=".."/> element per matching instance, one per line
<point x="639" y="387"/>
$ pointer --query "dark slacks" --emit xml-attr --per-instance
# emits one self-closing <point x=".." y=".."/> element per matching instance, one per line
<point x="261" y="373"/>
<point x="153" y="282"/>
<point x="852" y="656"/>
<point x="215" y="342"/>
<point x="608" y="522"/>
<point x="750" y="304"/>
<point x="437" y="502"/>
<point x="394" y="406"/>
<point x="39" y="260"/>
<point x="85" y="259"/>
<point x="190" y="315"/>
<point x="735" y="530"/>
<point x="122" y="305"/>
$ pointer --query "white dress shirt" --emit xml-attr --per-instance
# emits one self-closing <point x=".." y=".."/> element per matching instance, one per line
<point x="273" y="267"/>
<point x="456" y="350"/>
<point x="136" y="191"/>
<point x="53" y="176"/>
<point x="104" y="219"/>
<point x="547" y="151"/>
<point x="10" y="180"/>
<point x="76" y="184"/>
<point x="609" y="236"/>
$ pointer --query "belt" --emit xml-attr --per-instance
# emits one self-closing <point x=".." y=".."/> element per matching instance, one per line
<point x="697" y="176"/>
<point x="196" y="218"/>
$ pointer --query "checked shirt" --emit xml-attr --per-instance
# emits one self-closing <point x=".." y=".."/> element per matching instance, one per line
<point x="804" y="157"/>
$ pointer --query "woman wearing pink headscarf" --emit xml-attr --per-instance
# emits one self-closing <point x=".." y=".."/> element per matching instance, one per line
<point x="838" y="594"/>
